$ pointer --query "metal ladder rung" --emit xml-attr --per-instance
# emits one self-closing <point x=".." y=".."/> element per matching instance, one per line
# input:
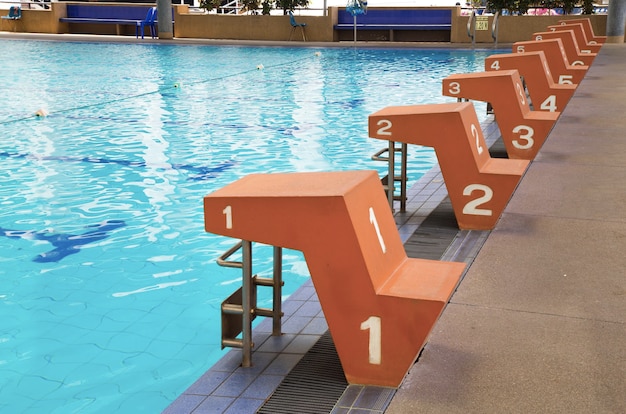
<point x="232" y="309"/>
<point x="233" y="343"/>
<point x="267" y="312"/>
<point x="264" y="281"/>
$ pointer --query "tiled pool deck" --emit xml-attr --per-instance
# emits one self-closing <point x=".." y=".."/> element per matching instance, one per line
<point x="228" y="388"/>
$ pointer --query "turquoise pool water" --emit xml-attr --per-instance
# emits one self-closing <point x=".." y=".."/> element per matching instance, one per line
<point x="109" y="290"/>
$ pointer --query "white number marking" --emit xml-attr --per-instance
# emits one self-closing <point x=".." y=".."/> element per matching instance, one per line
<point x="454" y="88"/>
<point x="528" y="136"/>
<point x="375" y="223"/>
<point x="566" y="79"/>
<point x="549" y="104"/>
<point x="495" y="65"/>
<point x="375" y="340"/>
<point x="476" y="136"/>
<point x="522" y="94"/>
<point x="385" y="126"/>
<point x="228" y="212"/>
<point x="546" y="68"/>
<point x="471" y="207"/>
<point x="521" y="49"/>
<point x="578" y="63"/>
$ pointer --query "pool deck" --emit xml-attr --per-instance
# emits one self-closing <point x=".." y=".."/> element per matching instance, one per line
<point x="538" y="323"/>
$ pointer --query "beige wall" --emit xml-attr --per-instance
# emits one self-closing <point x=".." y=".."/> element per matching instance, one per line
<point x="36" y="21"/>
<point x="272" y="28"/>
<point x="242" y="27"/>
<point x="517" y="28"/>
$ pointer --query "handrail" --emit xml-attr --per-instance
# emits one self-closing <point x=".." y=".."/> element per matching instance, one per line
<point x="232" y="7"/>
<point x="36" y="4"/>
<point x="391" y="178"/>
<point x="222" y="260"/>
<point x="378" y="156"/>
<point x="494" y="29"/>
<point x="471" y="27"/>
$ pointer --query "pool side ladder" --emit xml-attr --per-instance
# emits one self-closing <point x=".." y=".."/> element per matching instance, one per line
<point x="240" y="308"/>
<point x="400" y="177"/>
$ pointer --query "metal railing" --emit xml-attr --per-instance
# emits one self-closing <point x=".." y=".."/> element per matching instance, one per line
<point x="471" y="27"/>
<point x="389" y="182"/>
<point x="34" y="4"/>
<point x="232" y="7"/>
<point x="494" y="29"/>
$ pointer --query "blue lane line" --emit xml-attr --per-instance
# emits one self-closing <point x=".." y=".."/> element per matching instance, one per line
<point x="200" y="173"/>
<point x="65" y="244"/>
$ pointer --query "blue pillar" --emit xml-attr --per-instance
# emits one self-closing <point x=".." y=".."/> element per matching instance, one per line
<point x="164" y="10"/>
<point x="615" y="22"/>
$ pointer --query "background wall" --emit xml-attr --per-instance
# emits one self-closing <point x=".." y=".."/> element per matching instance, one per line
<point x="517" y="28"/>
<point x="277" y="27"/>
<point x="259" y="27"/>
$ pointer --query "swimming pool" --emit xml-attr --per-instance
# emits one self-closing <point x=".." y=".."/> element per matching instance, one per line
<point x="109" y="289"/>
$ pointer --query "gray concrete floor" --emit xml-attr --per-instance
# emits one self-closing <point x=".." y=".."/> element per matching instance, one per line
<point x="538" y="324"/>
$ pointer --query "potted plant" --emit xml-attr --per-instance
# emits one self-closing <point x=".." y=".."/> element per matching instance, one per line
<point x="251" y="6"/>
<point x="209" y="5"/>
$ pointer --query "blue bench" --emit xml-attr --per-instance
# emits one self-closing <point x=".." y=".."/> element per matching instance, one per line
<point x="105" y="14"/>
<point x="397" y="19"/>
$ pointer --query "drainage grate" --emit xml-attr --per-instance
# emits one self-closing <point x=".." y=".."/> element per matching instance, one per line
<point x="313" y="386"/>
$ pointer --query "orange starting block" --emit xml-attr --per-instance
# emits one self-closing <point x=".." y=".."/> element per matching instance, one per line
<point x="562" y="72"/>
<point x="574" y="56"/>
<point x="579" y="35"/>
<point x="479" y="186"/>
<point x="591" y="36"/>
<point x="523" y="131"/>
<point x="380" y="305"/>
<point x="534" y="68"/>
